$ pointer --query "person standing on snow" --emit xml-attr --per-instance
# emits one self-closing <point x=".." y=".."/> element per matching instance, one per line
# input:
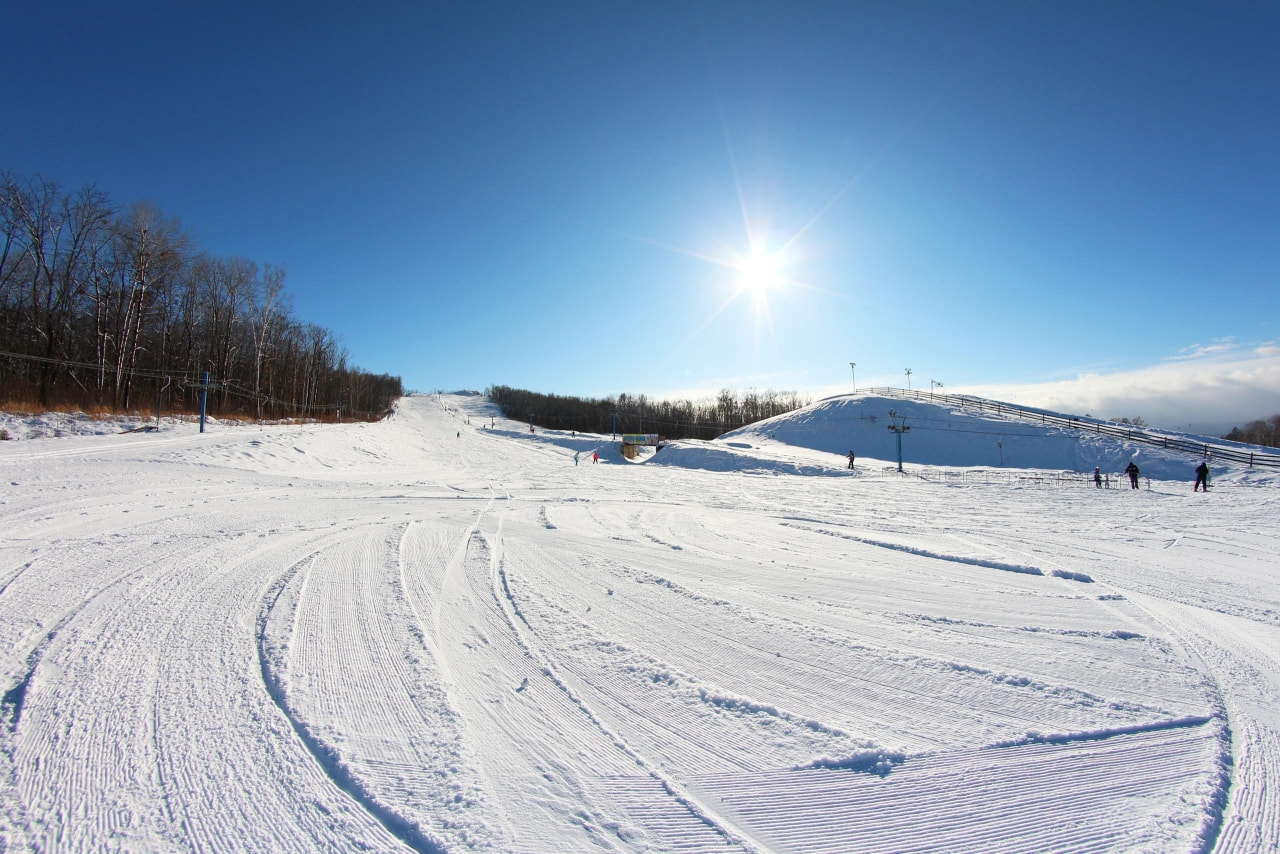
<point x="1132" y="471"/>
<point x="1202" y="477"/>
<point x="851" y="459"/>
<point x="1097" y="476"/>
<point x="575" y="458"/>
<point x="595" y="457"/>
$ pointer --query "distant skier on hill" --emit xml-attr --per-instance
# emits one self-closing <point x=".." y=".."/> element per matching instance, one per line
<point x="1132" y="471"/>
<point x="1202" y="477"/>
<point x="851" y="459"/>
<point x="1097" y="476"/>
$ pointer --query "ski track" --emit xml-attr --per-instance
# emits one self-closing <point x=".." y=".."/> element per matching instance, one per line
<point x="420" y="635"/>
<point x="671" y="812"/>
<point x="102" y="693"/>
<point x="1089" y="805"/>
<point x="1244" y="659"/>
<point x="804" y="679"/>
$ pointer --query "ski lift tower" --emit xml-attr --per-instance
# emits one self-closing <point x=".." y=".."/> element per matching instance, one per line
<point x="205" y="387"/>
<point x="898" y="427"/>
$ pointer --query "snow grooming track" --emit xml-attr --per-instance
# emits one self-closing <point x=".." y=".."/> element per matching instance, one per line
<point x="12" y="704"/>
<point x="1247" y="803"/>
<point x="19" y="831"/>
<point x="270" y="660"/>
<point x="534" y="738"/>
<point x="1074" y="796"/>
<point x="886" y="698"/>
<point x="676" y="833"/>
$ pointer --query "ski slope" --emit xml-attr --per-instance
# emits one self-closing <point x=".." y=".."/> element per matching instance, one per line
<point x="434" y="635"/>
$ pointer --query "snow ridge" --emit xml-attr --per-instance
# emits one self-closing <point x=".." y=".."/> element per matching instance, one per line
<point x="921" y="552"/>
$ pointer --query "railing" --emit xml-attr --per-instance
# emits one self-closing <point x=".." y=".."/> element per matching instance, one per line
<point x="1219" y="452"/>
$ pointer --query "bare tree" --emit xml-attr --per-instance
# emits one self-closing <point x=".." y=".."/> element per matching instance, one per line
<point x="63" y="234"/>
<point x="127" y="295"/>
<point x="150" y="251"/>
<point x="267" y="310"/>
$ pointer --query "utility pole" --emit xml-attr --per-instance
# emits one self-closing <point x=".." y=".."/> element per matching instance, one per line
<point x="899" y="427"/>
<point x="932" y="384"/>
<point x="853" y="369"/>
<point x="908" y="379"/>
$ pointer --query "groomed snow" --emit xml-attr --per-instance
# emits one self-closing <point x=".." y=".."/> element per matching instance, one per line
<point x="434" y="634"/>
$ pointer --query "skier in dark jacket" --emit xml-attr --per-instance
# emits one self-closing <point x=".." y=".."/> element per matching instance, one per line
<point x="1202" y="477"/>
<point x="851" y="459"/>
<point x="1132" y="471"/>
<point x="1097" y="476"/>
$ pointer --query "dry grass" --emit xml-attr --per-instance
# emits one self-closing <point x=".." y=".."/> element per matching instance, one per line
<point x="28" y="408"/>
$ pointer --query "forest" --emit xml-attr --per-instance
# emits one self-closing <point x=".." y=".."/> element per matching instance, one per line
<point x="112" y="308"/>
<point x="1262" y="431"/>
<point x="674" y="419"/>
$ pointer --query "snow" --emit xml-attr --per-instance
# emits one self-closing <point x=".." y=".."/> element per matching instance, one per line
<point x="431" y="634"/>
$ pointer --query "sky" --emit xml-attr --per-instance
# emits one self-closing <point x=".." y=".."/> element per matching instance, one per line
<point x="1072" y="204"/>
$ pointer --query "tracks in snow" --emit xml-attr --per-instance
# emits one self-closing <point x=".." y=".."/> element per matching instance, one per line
<point x="653" y="663"/>
<point x="1243" y="657"/>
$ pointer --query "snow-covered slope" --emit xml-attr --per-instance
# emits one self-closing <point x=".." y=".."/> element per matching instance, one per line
<point x="438" y="633"/>
<point x="943" y="435"/>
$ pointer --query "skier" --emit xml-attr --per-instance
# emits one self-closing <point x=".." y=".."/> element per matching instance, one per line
<point x="595" y="457"/>
<point x="575" y="458"/>
<point x="1202" y="477"/>
<point x="1132" y="471"/>
<point x="1097" y="476"/>
<point x="851" y="459"/>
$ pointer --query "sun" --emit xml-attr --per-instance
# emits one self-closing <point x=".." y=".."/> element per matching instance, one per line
<point x="759" y="274"/>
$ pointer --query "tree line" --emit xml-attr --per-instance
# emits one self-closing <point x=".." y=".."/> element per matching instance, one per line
<point x="1263" y="431"/>
<point x="116" y="307"/>
<point x="675" y="419"/>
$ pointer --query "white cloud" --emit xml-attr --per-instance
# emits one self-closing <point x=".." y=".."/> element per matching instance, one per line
<point x="1199" y="351"/>
<point x="1217" y="388"/>
<point x="1267" y="349"/>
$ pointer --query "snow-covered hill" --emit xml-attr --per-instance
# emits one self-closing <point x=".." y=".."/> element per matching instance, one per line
<point x="439" y="633"/>
<point x="818" y="438"/>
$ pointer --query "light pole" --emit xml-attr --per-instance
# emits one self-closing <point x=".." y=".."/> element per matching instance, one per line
<point x="853" y="369"/>
<point x="932" y="385"/>
<point x="908" y="379"/>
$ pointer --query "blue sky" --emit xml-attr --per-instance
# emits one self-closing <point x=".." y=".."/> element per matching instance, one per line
<point x="1073" y="203"/>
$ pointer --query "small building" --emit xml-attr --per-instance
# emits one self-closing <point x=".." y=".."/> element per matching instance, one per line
<point x="631" y="442"/>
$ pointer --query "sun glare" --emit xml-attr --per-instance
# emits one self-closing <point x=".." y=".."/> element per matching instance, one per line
<point x="759" y="274"/>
